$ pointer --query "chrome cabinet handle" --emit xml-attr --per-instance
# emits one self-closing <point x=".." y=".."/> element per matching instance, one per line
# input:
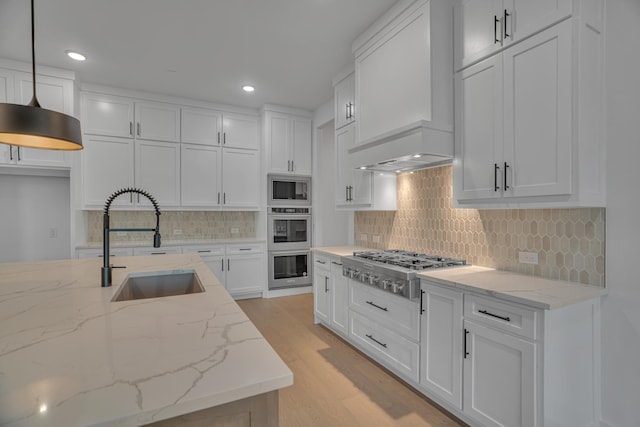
<point x="11" y="152"/>
<point x="131" y="128"/>
<point x="218" y="197"/>
<point x="320" y="262"/>
<point x="495" y="29"/>
<point x="224" y="138"/>
<point x="335" y="263"/>
<point x="19" y="156"/>
<point x="422" y="310"/>
<point x="495" y="177"/>
<point x="466" y="333"/>
<point x="346" y="193"/>
<point x="228" y="264"/>
<point x="218" y="138"/>
<point x="326" y="284"/>
<point x="377" y="306"/>
<point x="224" y="198"/>
<point x="138" y="128"/>
<point x="506" y="319"/>
<point x="203" y="252"/>
<point x="293" y="166"/>
<point x="222" y="262"/>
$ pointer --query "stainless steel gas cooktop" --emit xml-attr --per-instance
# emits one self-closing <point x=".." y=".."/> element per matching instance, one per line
<point x="393" y="270"/>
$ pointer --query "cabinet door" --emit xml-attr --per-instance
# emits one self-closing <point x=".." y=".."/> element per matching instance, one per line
<point x="107" y="166"/>
<point x="200" y="175"/>
<point x="217" y="265"/>
<point x="339" y="298"/>
<point x="158" y="122"/>
<point x="478" y="30"/>
<point x="361" y="187"/>
<point x="107" y="115"/>
<point x="277" y="133"/>
<point x="441" y="341"/>
<point x="344" y="101"/>
<point x="527" y="17"/>
<point x="301" y="140"/>
<point x="538" y="114"/>
<point x="158" y="172"/>
<point x="322" y="295"/>
<point x="244" y="273"/>
<point x="240" y="179"/>
<point x="240" y="131"/>
<point x="53" y="94"/>
<point x="345" y="138"/>
<point x="478" y="131"/>
<point x="200" y="126"/>
<point x="499" y="378"/>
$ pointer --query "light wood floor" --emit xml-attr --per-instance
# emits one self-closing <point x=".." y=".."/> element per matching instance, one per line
<point x="334" y="384"/>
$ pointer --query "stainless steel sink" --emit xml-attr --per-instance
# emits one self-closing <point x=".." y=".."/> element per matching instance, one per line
<point x="154" y="284"/>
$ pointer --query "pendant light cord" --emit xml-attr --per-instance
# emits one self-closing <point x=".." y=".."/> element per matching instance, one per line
<point x="34" y="100"/>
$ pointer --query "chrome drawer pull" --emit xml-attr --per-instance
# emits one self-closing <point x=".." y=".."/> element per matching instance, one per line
<point x="377" y="306"/>
<point x="506" y="319"/>
<point x="375" y="340"/>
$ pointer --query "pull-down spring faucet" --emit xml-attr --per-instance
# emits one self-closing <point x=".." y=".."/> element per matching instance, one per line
<point x="106" y="268"/>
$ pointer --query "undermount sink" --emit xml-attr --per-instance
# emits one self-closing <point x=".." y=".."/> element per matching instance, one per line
<point x="154" y="284"/>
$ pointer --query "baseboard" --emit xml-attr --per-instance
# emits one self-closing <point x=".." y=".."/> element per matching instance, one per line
<point x="288" y="292"/>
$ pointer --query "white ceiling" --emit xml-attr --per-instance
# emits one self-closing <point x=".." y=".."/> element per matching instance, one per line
<point x="201" y="49"/>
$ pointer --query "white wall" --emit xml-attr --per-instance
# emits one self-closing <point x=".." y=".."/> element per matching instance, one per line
<point x="31" y="208"/>
<point x="621" y="308"/>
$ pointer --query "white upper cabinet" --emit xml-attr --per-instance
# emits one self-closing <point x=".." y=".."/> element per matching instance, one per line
<point x="528" y="122"/>
<point x="201" y="175"/>
<point x="345" y="98"/>
<point x="240" y="179"/>
<point x="210" y="127"/>
<point x="240" y="131"/>
<point x="484" y="27"/>
<point x="157" y="121"/>
<point x="157" y="170"/>
<point x="403" y="70"/>
<point x="107" y="115"/>
<point x="288" y="142"/>
<point x="201" y="126"/>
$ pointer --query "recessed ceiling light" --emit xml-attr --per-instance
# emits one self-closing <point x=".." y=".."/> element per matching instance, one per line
<point x="75" y="55"/>
<point x="417" y="156"/>
<point x="363" y="167"/>
<point x="248" y="88"/>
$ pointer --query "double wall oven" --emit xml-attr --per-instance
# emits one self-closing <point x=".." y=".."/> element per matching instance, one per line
<point x="289" y="232"/>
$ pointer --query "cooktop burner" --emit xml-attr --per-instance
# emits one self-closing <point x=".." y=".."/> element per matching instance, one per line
<point x="393" y="270"/>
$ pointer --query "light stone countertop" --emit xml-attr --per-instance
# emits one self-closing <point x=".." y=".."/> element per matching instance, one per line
<point x="174" y="242"/>
<point x="71" y="357"/>
<point x="340" y="250"/>
<point x="533" y="291"/>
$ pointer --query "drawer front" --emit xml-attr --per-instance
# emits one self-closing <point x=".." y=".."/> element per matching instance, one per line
<point x="501" y="315"/>
<point x="158" y="251"/>
<point x="394" y="312"/>
<point x="239" y="249"/>
<point x="392" y="350"/>
<point x="204" y="250"/>
<point x="321" y="262"/>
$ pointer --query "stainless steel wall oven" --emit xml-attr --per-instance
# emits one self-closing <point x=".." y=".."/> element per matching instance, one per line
<point x="288" y="269"/>
<point x="289" y="228"/>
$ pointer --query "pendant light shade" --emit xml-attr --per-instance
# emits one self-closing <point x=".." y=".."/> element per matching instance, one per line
<point x="35" y="127"/>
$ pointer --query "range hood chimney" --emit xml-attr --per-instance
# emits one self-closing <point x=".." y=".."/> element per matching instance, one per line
<point x="420" y="145"/>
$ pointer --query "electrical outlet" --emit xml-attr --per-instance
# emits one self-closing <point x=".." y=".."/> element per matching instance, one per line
<point x="376" y="239"/>
<point x="235" y="230"/>
<point x="528" y="257"/>
<point x="177" y="232"/>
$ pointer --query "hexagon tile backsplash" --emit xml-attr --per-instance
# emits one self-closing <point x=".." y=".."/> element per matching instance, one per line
<point x="570" y="243"/>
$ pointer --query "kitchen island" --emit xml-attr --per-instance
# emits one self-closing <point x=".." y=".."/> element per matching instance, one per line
<point x="71" y="357"/>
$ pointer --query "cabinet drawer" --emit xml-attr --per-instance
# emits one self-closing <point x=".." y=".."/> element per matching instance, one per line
<point x="396" y="313"/>
<point x="321" y="261"/>
<point x="500" y="315"/>
<point x="204" y="250"/>
<point x="158" y="251"/>
<point x="392" y="350"/>
<point x="241" y="249"/>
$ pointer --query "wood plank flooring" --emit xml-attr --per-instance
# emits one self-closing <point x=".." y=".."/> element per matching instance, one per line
<point x="334" y="384"/>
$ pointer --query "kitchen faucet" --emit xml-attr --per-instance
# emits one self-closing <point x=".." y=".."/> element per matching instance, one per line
<point x="106" y="268"/>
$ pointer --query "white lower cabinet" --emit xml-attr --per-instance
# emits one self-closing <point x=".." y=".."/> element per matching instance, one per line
<point x="330" y="293"/>
<point x="339" y="298"/>
<point x="98" y="252"/>
<point x="499" y="377"/>
<point x="321" y="289"/>
<point x="441" y="341"/>
<point x="169" y="250"/>
<point x="246" y="273"/>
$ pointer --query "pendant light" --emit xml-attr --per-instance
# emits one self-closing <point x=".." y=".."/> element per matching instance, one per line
<point x="35" y="127"/>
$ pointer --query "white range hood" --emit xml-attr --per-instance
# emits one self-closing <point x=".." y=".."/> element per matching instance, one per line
<point x="419" y="145"/>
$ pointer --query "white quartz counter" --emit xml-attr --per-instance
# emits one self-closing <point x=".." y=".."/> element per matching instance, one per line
<point x="340" y="250"/>
<point x="71" y="357"/>
<point x="530" y="290"/>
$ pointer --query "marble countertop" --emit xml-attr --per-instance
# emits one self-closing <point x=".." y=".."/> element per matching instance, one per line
<point x="340" y="250"/>
<point x="71" y="357"/>
<point x="533" y="291"/>
<point x="167" y="242"/>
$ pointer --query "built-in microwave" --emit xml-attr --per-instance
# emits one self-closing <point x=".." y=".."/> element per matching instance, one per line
<point x="289" y="269"/>
<point x="287" y="190"/>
